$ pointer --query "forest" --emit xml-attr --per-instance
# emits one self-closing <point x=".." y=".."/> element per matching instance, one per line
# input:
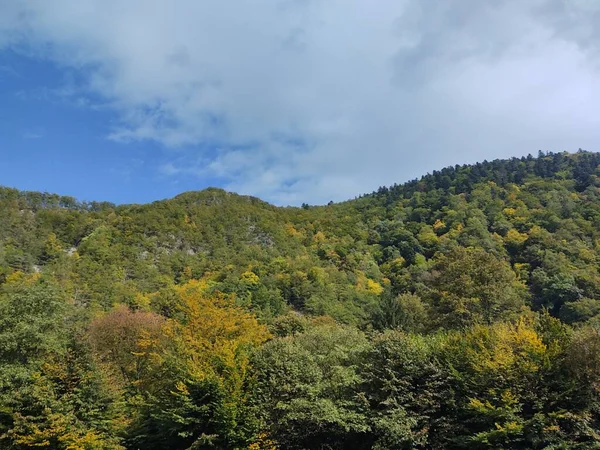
<point x="460" y="310"/>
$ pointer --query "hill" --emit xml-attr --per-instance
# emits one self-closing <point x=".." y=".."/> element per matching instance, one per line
<point x="214" y="320"/>
<point x="538" y="215"/>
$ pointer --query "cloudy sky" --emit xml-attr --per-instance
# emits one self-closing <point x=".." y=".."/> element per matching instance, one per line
<point x="289" y="100"/>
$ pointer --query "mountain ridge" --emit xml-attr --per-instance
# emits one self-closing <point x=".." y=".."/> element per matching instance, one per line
<point x="468" y="205"/>
<point x="459" y="310"/>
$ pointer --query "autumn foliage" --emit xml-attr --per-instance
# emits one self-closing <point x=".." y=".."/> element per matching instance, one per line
<point x="457" y="311"/>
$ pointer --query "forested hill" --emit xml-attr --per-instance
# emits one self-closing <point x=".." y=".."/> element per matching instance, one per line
<point x="460" y="310"/>
<point x="536" y="217"/>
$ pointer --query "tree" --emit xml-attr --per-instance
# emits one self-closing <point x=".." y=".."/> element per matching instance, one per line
<point x="52" y="395"/>
<point x="308" y="389"/>
<point x="580" y="310"/>
<point x="205" y="372"/>
<point x="128" y="342"/>
<point x="407" y="389"/>
<point x="469" y="285"/>
<point x="405" y="312"/>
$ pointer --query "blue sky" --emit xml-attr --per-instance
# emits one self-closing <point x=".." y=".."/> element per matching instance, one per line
<point x="289" y="100"/>
<point x="53" y="143"/>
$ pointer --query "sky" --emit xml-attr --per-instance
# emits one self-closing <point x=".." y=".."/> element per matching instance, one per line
<point x="292" y="101"/>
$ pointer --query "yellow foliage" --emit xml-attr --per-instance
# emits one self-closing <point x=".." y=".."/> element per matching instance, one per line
<point x="52" y="246"/>
<point x="198" y="285"/>
<point x="513" y="237"/>
<point x="374" y="287"/>
<point x="510" y="427"/>
<point x="317" y="275"/>
<point x="365" y="284"/>
<point x="509" y="212"/>
<point x="478" y="405"/>
<point x="438" y="224"/>
<point x="537" y="232"/>
<point x="397" y="264"/>
<point x="141" y="301"/>
<point x="507" y="347"/>
<point x="214" y="335"/>
<point x="189" y="222"/>
<point x="319" y="237"/>
<point x="508" y="398"/>
<point x="57" y="428"/>
<point x="20" y="277"/>
<point x="521" y="266"/>
<point x="522" y="270"/>
<point x="291" y="230"/>
<point x="250" y="278"/>
<point x="263" y="442"/>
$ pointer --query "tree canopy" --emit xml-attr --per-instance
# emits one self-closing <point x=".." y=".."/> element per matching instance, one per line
<point x="459" y="310"/>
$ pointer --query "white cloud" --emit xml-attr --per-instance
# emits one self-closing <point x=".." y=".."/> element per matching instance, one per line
<point x="311" y="100"/>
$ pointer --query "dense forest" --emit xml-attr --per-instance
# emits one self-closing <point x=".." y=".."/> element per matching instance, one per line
<point x="460" y="310"/>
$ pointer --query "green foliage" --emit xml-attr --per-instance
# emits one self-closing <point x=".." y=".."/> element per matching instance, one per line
<point x="405" y="312"/>
<point x="581" y="310"/>
<point x="468" y="286"/>
<point x="405" y="386"/>
<point x="52" y="394"/>
<point x="307" y="393"/>
<point x="459" y="310"/>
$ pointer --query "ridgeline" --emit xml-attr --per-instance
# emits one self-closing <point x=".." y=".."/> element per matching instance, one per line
<point x="459" y="310"/>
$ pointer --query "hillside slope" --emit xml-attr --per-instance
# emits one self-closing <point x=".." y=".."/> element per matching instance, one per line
<point x="461" y="310"/>
<point x="536" y="217"/>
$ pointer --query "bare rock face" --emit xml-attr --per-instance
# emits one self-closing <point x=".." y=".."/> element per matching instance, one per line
<point x="260" y="237"/>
